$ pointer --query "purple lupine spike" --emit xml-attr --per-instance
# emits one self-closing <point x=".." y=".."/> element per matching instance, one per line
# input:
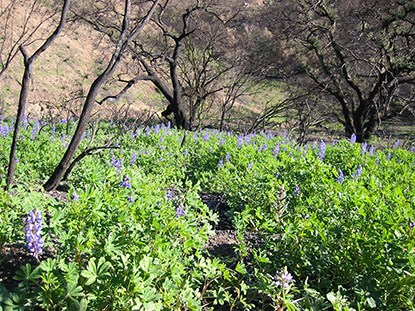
<point x="206" y="136"/>
<point x="180" y="211"/>
<point x="397" y="144"/>
<point x="297" y="191"/>
<point x="116" y="163"/>
<point x="74" y="197"/>
<point x="283" y="278"/>
<point x="321" y="150"/>
<point x="353" y="138"/>
<point x="126" y="182"/>
<point x="340" y="177"/>
<point x="358" y="172"/>
<point x="239" y="141"/>
<point x="364" y="148"/>
<point x="228" y="157"/>
<point x="276" y="150"/>
<point x="371" y="150"/>
<point x="220" y="163"/>
<point x="33" y="231"/>
<point x="35" y="130"/>
<point x="250" y="164"/>
<point x="133" y="158"/>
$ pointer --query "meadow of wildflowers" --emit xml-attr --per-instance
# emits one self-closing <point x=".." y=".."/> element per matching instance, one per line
<point x="327" y="226"/>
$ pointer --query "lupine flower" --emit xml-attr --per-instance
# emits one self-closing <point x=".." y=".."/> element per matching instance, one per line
<point x="220" y="163"/>
<point x="116" y="163"/>
<point x="35" y="130"/>
<point x="228" y="157"/>
<point x="412" y="224"/>
<point x="397" y="144"/>
<point x="25" y="121"/>
<point x="239" y="141"/>
<point x="180" y="211"/>
<point x="371" y="150"/>
<point x="133" y="158"/>
<point x="297" y="191"/>
<point x="321" y="151"/>
<point x="276" y="150"/>
<point x="340" y="177"/>
<point x="130" y="198"/>
<point x="33" y="230"/>
<point x="53" y="130"/>
<point x="389" y="156"/>
<point x="283" y="278"/>
<point x="250" y="165"/>
<point x="206" y="136"/>
<point x="364" y="148"/>
<point x="412" y="149"/>
<point x="353" y="138"/>
<point x="185" y="152"/>
<point x="263" y="147"/>
<point x="358" y="172"/>
<point x="4" y="130"/>
<point x="169" y="195"/>
<point x="314" y="145"/>
<point x="126" y="182"/>
<point x="74" y="197"/>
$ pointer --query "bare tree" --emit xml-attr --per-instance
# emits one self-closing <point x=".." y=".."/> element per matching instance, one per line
<point x="19" y="32"/>
<point x="356" y="55"/>
<point x="129" y="29"/>
<point x="28" y="63"/>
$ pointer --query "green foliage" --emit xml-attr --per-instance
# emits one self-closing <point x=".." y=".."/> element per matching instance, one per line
<point x="303" y="239"/>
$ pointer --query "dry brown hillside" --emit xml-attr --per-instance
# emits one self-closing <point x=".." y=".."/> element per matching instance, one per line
<point x="63" y="74"/>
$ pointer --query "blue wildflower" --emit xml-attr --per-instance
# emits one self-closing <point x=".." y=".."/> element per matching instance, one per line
<point x="353" y="138"/>
<point x="321" y="151"/>
<point x="133" y="158"/>
<point x="358" y="172"/>
<point x="117" y="164"/>
<point x="283" y="278"/>
<point x="180" y="211"/>
<point x="297" y="191"/>
<point x="74" y="197"/>
<point x="206" y="136"/>
<point x="33" y="230"/>
<point x="364" y="148"/>
<point x="371" y="150"/>
<point x="397" y="144"/>
<point x="220" y="163"/>
<point x="276" y="150"/>
<point x="340" y="177"/>
<point x="126" y="182"/>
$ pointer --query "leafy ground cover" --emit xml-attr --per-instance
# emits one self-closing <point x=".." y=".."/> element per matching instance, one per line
<point x="172" y="220"/>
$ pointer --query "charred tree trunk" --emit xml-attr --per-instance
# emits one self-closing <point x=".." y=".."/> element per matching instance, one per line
<point x="28" y="62"/>
<point x="122" y="45"/>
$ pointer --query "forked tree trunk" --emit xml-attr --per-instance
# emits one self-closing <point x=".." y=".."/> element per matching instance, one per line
<point x="28" y="62"/>
<point x="125" y="38"/>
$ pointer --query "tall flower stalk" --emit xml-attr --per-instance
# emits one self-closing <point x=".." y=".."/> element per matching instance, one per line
<point x="33" y="230"/>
